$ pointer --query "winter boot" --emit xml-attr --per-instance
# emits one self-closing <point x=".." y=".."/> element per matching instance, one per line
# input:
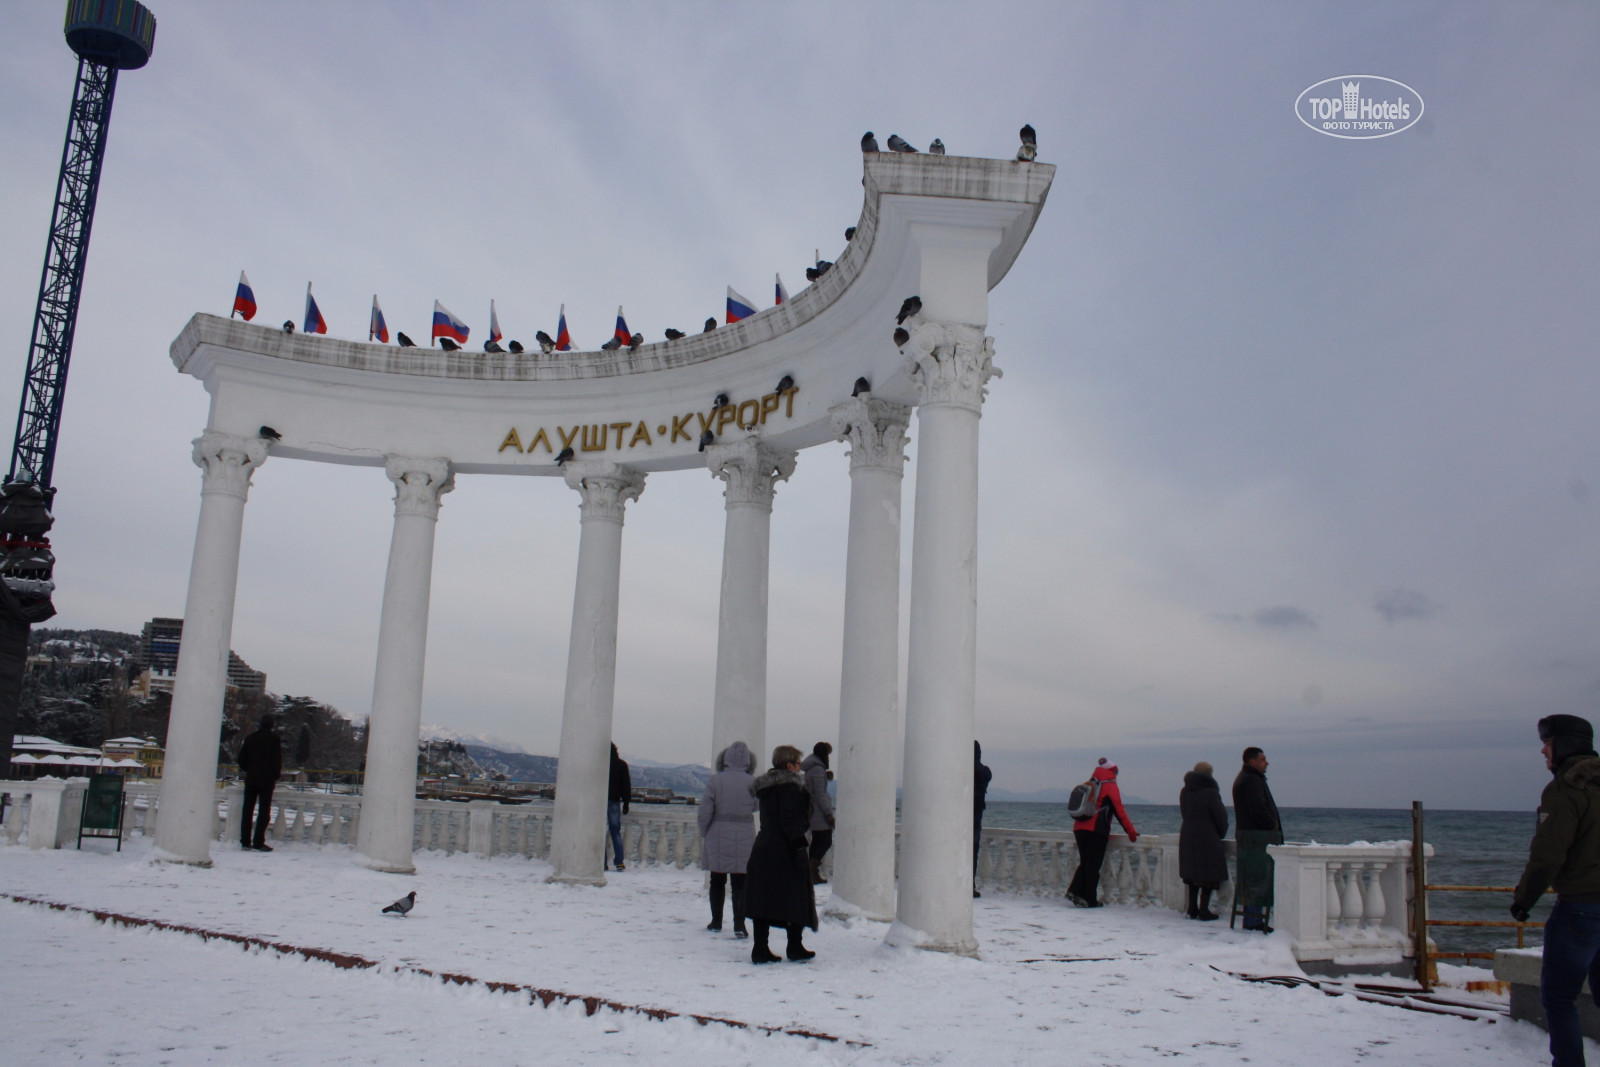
<point x="1194" y="901"/>
<point x="759" y="951"/>
<point x="719" y="889"/>
<point x="796" y="951"/>
<point x="1204" y="913"/>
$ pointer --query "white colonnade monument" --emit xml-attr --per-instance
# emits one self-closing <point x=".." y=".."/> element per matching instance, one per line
<point x="943" y="228"/>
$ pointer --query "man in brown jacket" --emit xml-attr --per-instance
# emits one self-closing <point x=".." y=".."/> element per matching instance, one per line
<point x="1565" y="856"/>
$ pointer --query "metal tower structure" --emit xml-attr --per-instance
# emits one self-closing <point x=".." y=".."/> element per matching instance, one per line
<point x="108" y="36"/>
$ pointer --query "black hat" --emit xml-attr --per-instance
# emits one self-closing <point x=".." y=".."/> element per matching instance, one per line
<point x="1569" y="735"/>
<point x="1552" y="726"/>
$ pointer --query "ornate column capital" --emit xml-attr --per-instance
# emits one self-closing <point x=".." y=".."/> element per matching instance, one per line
<point x="751" y="470"/>
<point x="605" y="487"/>
<point x="227" y="462"/>
<point x="876" y="431"/>
<point x="950" y="364"/>
<point x="418" y="484"/>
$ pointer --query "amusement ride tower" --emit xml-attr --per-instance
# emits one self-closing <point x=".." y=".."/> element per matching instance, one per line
<point x="108" y="36"/>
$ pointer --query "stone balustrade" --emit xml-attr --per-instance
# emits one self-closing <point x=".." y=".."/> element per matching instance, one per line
<point x="1346" y="905"/>
<point x="1137" y="874"/>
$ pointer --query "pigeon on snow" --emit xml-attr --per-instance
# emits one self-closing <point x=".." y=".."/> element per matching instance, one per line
<point x="869" y="143"/>
<point x="937" y="147"/>
<point x="403" y="905"/>
<point x="898" y="144"/>
<point x="405" y="342"/>
<point x="901" y="336"/>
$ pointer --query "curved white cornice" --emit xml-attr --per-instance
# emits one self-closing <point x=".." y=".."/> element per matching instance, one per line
<point x="928" y="223"/>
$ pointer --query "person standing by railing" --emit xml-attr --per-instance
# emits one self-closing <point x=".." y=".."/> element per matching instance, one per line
<point x="1565" y="856"/>
<point x="1202" y="863"/>
<point x="618" y="795"/>
<point x="727" y="830"/>
<point x="1259" y="825"/>
<point x="1093" y="835"/>
<point x="981" y="776"/>
<point x="261" y="763"/>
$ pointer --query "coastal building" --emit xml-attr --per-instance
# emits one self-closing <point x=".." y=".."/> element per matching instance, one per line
<point x="159" y="643"/>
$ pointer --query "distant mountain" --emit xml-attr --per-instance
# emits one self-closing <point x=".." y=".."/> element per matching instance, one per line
<point x="445" y="733"/>
<point x="519" y="766"/>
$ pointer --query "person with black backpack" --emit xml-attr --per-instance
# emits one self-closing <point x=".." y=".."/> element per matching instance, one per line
<point x="1092" y="806"/>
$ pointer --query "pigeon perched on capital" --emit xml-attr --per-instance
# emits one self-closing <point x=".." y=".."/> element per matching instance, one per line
<point x="711" y="324"/>
<point x="402" y="906"/>
<point x="705" y="439"/>
<point x="720" y="401"/>
<point x="288" y="326"/>
<point x="515" y="347"/>
<point x="1030" y="145"/>
<point x="547" y="344"/>
<point x="902" y="336"/>
<point x="635" y="341"/>
<point x="673" y="335"/>
<point x="936" y="148"/>
<point x="862" y="386"/>
<point x="270" y="434"/>
<point x="869" y="143"/>
<point x="912" y="306"/>
<point x="490" y="346"/>
<point x="564" y="455"/>
<point x="899" y="144"/>
<point x="405" y="342"/>
<point x="447" y="344"/>
<point x="785" y="384"/>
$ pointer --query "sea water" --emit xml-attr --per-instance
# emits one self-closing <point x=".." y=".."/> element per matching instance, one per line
<point x="1470" y="848"/>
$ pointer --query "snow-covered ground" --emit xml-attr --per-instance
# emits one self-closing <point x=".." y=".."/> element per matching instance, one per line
<point x="1054" y="985"/>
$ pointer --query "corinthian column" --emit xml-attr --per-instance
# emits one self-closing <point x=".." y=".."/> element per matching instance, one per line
<point x="949" y="366"/>
<point x="189" y="783"/>
<point x="577" y="834"/>
<point x="869" y="682"/>
<point x="739" y="706"/>
<point x="389" y="790"/>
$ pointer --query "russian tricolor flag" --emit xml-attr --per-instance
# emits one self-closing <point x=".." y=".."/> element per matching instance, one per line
<point x="244" y="299"/>
<point x="780" y="295"/>
<point x="738" y="306"/>
<point x="447" y="325"/>
<point x="621" y="332"/>
<point x="315" y="323"/>
<point x="494" y="324"/>
<point x="563" y="338"/>
<point x="379" y="328"/>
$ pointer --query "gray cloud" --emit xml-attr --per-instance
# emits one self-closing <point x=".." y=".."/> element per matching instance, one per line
<point x="1283" y="617"/>
<point x="1398" y="604"/>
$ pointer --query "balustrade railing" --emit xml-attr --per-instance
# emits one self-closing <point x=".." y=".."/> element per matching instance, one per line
<point x="1346" y="904"/>
<point x="1136" y="874"/>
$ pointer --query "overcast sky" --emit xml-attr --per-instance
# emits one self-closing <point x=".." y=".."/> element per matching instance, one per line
<point x="1297" y="439"/>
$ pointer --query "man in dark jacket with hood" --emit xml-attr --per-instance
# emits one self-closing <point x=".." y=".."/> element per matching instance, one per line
<point x="1565" y="856"/>
<point x="260" y="761"/>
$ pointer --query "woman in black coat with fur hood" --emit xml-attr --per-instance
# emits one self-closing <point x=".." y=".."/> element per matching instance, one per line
<point x="777" y="886"/>
<point x="1202" y="864"/>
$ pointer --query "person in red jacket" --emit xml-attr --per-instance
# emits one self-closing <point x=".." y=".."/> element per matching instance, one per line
<point x="1093" y="834"/>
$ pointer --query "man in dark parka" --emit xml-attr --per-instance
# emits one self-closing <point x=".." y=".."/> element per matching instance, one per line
<point x="1258" y="825"/>
<point x="261" y="762"/>
<point x="981" y="777"/>
<point x="777" y="886"/>
<point x="1202" y="863"/>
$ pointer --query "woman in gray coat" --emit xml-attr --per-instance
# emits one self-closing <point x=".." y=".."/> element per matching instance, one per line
<point x="728" y="829"/>
<point x="1202" y="864"/>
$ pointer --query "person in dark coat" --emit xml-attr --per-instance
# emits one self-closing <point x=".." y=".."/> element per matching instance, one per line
<point x="1093" y="836"/>
<point x="777" y="888"/>
<point x="1202" y="863"/>
<point x="1257" y="825"/>
<point x="728" y="829"/>
<point x="981" y="776"/>
<point x="617" y="797"/>
<point x="261" y="763"/>
<point x="815" y="769"/>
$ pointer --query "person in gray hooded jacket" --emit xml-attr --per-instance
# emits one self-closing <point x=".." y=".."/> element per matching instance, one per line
<point x="728" y="829"/>
<point x="815" y="769"/>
